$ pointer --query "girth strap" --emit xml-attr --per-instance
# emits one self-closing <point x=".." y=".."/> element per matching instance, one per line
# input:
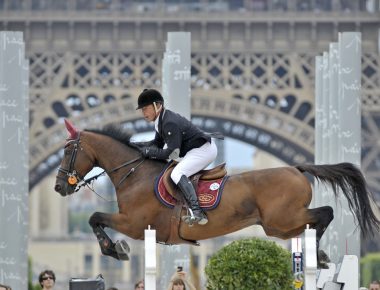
<point x="175" y="221"/>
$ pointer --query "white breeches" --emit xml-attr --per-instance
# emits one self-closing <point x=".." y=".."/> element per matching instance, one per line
<point x="195" y="160"/>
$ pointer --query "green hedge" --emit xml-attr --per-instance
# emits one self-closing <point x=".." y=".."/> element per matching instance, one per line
<point x="369" y="268"/>
<point x="250" y="264"/>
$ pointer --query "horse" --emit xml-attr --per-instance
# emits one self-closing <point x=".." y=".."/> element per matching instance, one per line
<point x="275" y="198"/>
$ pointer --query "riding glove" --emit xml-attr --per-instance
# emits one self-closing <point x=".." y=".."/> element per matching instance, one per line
<point x="154" y="152"/>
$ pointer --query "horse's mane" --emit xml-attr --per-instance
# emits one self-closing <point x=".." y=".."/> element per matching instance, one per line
<point x="114" y="131"/>
<point x="120" y="134"/>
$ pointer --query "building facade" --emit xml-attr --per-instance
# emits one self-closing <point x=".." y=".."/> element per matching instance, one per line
<point x="252" y="77"/>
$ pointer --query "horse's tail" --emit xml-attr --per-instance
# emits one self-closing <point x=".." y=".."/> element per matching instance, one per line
<point x="354" y="187"/>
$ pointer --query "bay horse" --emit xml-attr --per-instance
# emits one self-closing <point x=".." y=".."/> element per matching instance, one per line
<point x="275" y="198"/>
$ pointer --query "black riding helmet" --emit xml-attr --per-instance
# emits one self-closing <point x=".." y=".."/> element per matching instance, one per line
<point x="149" y="96"/>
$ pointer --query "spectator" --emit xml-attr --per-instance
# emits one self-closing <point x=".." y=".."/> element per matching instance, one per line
<point x="139" y="285"/>
<point x="112" y="288"/>
<point x="375" y="285"/>
<point x="47" y="280"/>
<point x="179" y="281"/>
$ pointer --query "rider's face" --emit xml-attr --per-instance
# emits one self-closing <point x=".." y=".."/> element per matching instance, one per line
<point x="149" y="112"/>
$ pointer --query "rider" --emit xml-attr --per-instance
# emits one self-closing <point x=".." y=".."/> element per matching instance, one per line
<point x="182" y="139"/>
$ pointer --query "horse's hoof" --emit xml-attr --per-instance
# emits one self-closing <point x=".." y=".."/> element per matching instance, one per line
<point x="323" y="260"/>
<point x="323" y="265"/>
<point x="322" y="257"/>
<point x="122" y="250"/>
<point x="125" y="245"/>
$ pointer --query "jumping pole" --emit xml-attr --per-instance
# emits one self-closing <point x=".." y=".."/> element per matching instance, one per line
<point x="150" y="259"/>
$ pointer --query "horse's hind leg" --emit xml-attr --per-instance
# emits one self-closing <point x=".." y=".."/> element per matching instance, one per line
<point x="317" y="218"/>
<point x="119" y="250"/>
<point x="323" y="216"/>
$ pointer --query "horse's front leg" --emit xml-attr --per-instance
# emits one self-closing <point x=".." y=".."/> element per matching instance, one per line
<point x="118" y="250"/>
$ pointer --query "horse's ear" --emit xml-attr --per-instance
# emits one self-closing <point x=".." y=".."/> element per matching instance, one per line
<point x="73" y="132"/>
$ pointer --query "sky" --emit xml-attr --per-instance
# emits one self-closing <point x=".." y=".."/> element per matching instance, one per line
<point x="238" y="154"/>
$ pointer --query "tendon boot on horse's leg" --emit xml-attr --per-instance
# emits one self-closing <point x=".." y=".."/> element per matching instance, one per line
<point x="197" y="214"/>
<point x="106" y="245"/>
<point x="118" y="250"/>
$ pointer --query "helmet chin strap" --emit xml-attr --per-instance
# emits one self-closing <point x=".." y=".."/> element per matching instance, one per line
<point x="157" y="110"/>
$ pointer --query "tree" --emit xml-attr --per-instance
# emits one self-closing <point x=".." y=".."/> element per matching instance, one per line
<point x="250" y="264"/>
<point x="30" y="277"/>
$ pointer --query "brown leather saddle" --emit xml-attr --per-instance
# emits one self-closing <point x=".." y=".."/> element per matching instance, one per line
<point x="206" y="174"/>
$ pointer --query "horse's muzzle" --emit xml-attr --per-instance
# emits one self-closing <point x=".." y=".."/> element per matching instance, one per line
<point x="62" y="190"/>
<point x="58" y="188"/>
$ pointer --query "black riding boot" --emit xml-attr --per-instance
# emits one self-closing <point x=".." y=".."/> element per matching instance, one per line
<point x="188" y="191"/>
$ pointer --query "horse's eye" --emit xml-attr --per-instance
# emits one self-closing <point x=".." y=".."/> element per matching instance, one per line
<point x="67" y="152"/>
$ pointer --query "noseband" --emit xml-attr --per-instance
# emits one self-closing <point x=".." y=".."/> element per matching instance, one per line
<point x="73" y="178"/>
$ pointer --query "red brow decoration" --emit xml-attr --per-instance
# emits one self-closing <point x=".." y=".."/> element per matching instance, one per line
<point x="73" y="133"/>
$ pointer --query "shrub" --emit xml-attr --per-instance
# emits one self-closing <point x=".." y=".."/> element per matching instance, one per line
<point x="250" y="264"/>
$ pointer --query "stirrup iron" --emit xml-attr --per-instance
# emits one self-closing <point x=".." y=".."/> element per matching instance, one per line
<point x="191" y="213"/>
<point x="189" y="218"/>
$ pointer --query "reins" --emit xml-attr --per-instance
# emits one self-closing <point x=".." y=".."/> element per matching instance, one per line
<point x="87" y="181"/>
<point x="130" y="171"/>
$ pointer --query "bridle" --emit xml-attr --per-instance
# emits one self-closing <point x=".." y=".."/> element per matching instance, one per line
<point x="73" y="178"/>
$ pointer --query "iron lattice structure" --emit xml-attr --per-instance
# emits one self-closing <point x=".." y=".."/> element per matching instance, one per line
<point x="265" y="99"/>
<point x="252" y="68"/>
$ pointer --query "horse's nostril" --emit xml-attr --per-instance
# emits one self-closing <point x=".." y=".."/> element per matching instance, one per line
<point x="57" y="187"/>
